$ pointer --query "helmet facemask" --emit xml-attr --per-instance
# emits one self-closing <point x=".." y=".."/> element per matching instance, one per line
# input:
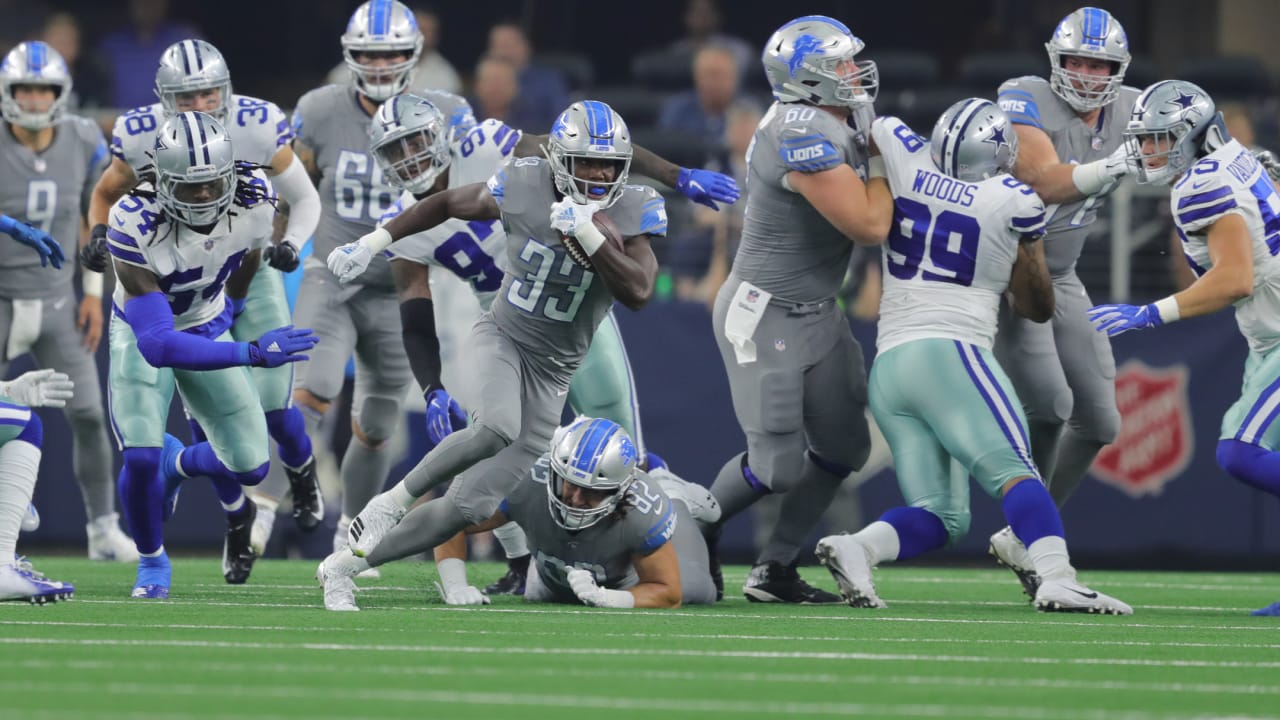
<point x="1169" y="153"/>
<point x="191" y="68"/>
<point x="413" y="159"/>
<point x="565" y="166"/>
<point x="593" y="464"/>
<point x="381" y="82"/>
<point x="24" y="115"/>
<point x="1081" y="90"/>
<point x="196" y="200"/>
<point x="33" y="64"/>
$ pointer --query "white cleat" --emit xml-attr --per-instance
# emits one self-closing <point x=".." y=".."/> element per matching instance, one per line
<point x="374" y="521"/>
<point x="1009" y="551"/>
<point x="336" y="574"/>
<point x="702" y="505"/>
<point x="108" y="542"/>
<point x="846" y="559"/>
<point x="340" y="544"/>
<point x="19" y="581"/>
<point x="263" y="523"/>
<point x="1065" y="594"/>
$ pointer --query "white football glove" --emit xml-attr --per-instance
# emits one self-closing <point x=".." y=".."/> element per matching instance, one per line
<point x="568" y="216"/>
<point x="348" y="261"/>
<point x="40" y="388"/>
<point x="584" y="586"/>
<point x="462" y="595"/>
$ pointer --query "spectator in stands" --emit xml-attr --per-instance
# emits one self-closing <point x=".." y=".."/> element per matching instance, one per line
<point x="542" y="92"/>
<point x="433" y="71"/>
<point x="700" y="112"/>
<point x="702" y="27"/>
<point x="495" y="92"/>
<point x="133" y="53"/>
<point x="90" y="85"/>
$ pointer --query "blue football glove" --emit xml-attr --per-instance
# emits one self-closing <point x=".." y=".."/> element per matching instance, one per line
<point x="36" y="239"/>
<point x="279" y="346"/>
<point x="1116" y="319"/>
<point x="707" y="188"/>
<point x="444" y="415"/>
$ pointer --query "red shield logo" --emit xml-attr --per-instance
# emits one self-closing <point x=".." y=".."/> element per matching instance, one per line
<point x="1155" y="442"/>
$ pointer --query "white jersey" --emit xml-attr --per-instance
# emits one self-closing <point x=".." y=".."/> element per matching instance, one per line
<point x="474" y="250"/>
<point x="257" y="128"/>
<point x="191" y="266"/>
<point x="951" y="247"/>
<point x="1229" y="181"/>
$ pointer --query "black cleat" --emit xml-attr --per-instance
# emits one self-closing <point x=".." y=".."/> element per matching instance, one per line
<point x="773" y="582"/>
<point x="308" y="503"/>
<point x="514" y="581"/>
<point x="237" y="550"/>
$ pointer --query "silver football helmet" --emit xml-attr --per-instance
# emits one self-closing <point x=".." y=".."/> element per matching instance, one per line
<point x="191" y="66"/>
<point x="457" y="112"/>
<point x="1173" y="116"/>
<point x="589" y="130"/>
<point x="382" y="26"/>
<point x="195" y="169"/>
<point x="1089" y="33"/>
<point x="811" y="60"/>
<point x="598" y="456"/>
<point x="410" y="139"/>
<point x="33" y="63"/>
<point x="973" y="140"/>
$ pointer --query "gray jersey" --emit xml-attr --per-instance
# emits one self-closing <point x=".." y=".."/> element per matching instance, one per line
<point x="787" y="247"/>
<point x="353" y="195"/>
<point x="548" y="303"/>
<point x="49" y="190"/>
<point x="1030" y="101"/>
<point x="257" y="128"/>
<point x="606" y="548"/>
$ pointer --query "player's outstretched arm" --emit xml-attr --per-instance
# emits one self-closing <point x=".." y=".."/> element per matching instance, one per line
<point x="659" y="575"/>
<point x="1030" y="286"/>
<point x="861" y="211"/>
<point x="35" y="238"/>
<point x="1231" y="277"/>
<point x="293" y="183"/>
<point x="1057" y="182"/>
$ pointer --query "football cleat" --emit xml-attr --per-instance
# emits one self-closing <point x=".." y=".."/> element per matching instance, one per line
<point x="773" y="582"/>
<point x="1065" y="594"/>
<point x="702" y="505"/>
<point x="154" y="575"/>
<point x="19" y="581"/>
<point x="336" y="575"/>
<point x="340" y="543"/>
<point x="263" y="523"/>
<point x="237" y="550"/>
<point x="846" y="559"/>
<point x="374" y="521"/>
<point x="308" y="503"/>
<point x="1009" y="551"/>
<point x="172" y="476"/>
<point x="513" y="582"/>
<point x="108" y="542"/>
<point x="1272" y="610"/>
<point x="31" y="520"/>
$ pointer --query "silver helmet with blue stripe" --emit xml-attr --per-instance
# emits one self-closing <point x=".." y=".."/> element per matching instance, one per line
<point x="973" y="140"/>
<point x="1167" y="128"/>
<point x="812" y="60"/>
<point x="599" y="458"/>
<point x="410" y="140"/>
<point x="193" y="66"/>
<point x="381" y="27"/>
<point x="195" y="169"/>
<point x="1088" y="33"/>
<point x="589" y="131"/>
<point x="34" y="64"/>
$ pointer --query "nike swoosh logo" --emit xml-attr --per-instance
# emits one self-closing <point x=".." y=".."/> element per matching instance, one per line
<point x="1089" y="595"/>
<point x="1197" y="186"/>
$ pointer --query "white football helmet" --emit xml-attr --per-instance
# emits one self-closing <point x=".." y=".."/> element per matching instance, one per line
<point x="33" y="63"/>
<point x="382" y="26"/>
<point x="596" y="455"/>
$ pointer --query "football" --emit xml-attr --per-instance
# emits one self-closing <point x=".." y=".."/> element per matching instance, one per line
<point x="606" y="228"/>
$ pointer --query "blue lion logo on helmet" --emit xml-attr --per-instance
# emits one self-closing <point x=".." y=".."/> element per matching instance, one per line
<point x="803" y="46"/>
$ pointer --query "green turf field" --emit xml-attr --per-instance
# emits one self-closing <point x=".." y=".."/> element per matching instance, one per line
<point x="953" y="644"/>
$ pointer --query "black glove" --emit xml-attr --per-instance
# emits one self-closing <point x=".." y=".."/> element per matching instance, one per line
<point x="283" y="257"/>
<point x="95" y="255"/>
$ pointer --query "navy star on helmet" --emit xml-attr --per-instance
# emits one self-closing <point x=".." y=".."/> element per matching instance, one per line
<point x="812" y="60"/>
<point x="382" y="26"/>
<point x="1174" y="116"/>
<point x="1089" y="33"/>
<point x="33" y="63"/>
<point x="973" y="141"/>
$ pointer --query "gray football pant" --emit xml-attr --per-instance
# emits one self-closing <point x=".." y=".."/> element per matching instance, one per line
<point x="1064" y="372"/>
<point x="58" y="347"/>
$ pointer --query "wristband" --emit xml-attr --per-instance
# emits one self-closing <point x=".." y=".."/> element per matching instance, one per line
<point x="1091" y="178"/>
<point x="377" y="241"/>
<point x="589" y="237"/>
<point x="875" y="167"/>
<point x="617" y="599"/>
<point x="1168" y="310"/>
<point x="453" y="573"/>
<point x="91" y="282"/>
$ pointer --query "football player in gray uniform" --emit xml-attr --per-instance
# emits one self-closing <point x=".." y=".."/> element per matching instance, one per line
<point x="1070" y="133"/>
<point x="562" y="277"/>
<point x="49" y="161"/>
<point x="795" y="372"/>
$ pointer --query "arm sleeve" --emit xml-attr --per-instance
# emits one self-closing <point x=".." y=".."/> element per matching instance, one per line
<point x="294" y="185"/>
<point x="418" y="329"/>
<point x="1019" y="104"/>
<point x="162" y="346"/>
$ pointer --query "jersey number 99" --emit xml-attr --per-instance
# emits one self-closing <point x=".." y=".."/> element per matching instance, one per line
<point x="932" y="236"/>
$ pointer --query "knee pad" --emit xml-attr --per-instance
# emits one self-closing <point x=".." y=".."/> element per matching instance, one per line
<point x="86" y="416"/>
<point x="252" y="477"/>
<point x="33" y="432"/>
<point x="1100" y="424"/>
<point x="777" y="471"/>
<point x="955" y="520"/>
<point x="1048" y="405"/>
<point x="834" y="468"/>
<point x="378" y="417"/>
<point x="494" y="436"/>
